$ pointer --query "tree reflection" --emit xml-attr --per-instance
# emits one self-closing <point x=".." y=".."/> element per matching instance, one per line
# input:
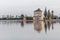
<point x="52" y="26"/>
<point x="22" y="24"/>
<point x="47" y="25"/>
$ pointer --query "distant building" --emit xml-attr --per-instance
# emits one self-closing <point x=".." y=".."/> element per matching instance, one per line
<point x="38" y="15"/>
<point x="24" y="19"/>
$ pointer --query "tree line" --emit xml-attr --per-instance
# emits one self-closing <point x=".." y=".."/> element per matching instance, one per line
<point x="50" y="14"/>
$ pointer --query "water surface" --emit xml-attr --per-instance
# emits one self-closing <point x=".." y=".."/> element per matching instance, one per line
<point x="16" y="30"/>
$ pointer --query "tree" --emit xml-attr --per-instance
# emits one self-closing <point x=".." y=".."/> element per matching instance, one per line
<point x="49" y="14"/>
<point x="22" y="16"/>
<point x="45" y="13"/>
<point x="52" y="13"/>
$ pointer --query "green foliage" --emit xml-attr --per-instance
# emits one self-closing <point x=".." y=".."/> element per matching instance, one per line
<point x="45" y="12"/>
<point x="29" y="18"/>
<point x="52" y="14"/>
<point x="49" y="14"/>
<point x="10" y="18"/>
<point x="22" y="16"/>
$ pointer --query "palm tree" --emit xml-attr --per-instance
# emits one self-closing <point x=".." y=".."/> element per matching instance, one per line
<point x="49" y="14"/>
<point x="52" y="13"/>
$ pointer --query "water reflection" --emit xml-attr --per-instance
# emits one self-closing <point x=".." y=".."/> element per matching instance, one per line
<point x="22" y="24"/>
<point x="52" y="26"/>
<point x="29" y="30"/>
<point x="47" y="25"/>
<point x="38" y="26"/>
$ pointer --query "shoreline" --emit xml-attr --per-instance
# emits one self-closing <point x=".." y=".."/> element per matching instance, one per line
<point x="32" y="20"/>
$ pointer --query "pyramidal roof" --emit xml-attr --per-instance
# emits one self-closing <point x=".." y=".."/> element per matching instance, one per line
<point x="38" y="10"/>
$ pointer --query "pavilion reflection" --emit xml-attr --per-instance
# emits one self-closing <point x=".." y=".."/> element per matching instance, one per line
<point x="38" y="26"/>
<point x="47" y="25"/>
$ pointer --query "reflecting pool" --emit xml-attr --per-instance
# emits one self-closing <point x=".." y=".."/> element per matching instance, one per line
<point x="19" y="30"/>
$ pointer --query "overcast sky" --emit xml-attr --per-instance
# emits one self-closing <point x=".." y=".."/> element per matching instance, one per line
<point x="16" y="7"/>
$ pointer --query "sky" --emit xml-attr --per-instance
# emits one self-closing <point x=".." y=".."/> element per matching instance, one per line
<point x="27" y="7"/>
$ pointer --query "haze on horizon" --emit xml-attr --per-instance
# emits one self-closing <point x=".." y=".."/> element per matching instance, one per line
<point x="26" y="7"/>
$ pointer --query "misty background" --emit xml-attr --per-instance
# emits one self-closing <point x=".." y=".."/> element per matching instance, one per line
<point x="26" y="7"/>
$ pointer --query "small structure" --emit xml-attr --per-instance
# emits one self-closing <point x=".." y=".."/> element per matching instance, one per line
<point x="24" y="19"/>
<point x="38" y="15"/>
<point x="38" y="20"/>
